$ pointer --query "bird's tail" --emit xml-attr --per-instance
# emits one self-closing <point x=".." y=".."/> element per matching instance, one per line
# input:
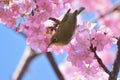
<point x="80" y="10"/>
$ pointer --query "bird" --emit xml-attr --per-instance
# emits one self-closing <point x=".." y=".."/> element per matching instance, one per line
<point x="66" y="28"/>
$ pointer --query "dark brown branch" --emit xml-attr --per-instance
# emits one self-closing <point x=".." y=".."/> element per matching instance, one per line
<point x="24" y="64"/>
<point x="116" y="65"/>
<point x="54" y="65"/>
<point x="93" y="49"/>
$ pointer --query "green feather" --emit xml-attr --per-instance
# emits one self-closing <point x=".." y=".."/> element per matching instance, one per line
<point x="66" y="28"/>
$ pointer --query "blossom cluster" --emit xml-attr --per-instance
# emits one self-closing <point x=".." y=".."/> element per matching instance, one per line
<point x="81" y="54"/>
<point x="73" y="73"/>
<point x="29" y="17"/>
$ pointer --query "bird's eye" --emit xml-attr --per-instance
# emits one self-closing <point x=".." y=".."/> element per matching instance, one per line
<point x="55" y="39"/>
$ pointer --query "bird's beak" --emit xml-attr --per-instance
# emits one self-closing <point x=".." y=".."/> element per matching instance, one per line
<point x="49" y="44"/>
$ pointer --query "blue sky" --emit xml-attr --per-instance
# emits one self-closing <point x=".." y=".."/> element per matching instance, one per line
<point x="12" y="46"/>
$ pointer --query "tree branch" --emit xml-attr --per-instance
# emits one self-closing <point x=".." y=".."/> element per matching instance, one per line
<point x="116" y="65"/>
<point x="24" y="63"/>
<point x="54" y="65"/>
<point x="114" y="73"/>
<point x="115" y="8"/>
<point x="93" y="49"/>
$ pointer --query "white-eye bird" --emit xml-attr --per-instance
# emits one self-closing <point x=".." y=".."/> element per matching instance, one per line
<point x="66" y="28"/>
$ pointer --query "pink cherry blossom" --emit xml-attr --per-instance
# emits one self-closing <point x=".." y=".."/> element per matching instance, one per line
<point x="37" y="43"/>
<point x="80" y="54"/>
<point x="11" y="22"/>
<point x="75" y="59"/>
<point x="15" y="8"/>
<point x="72" y="73"/>
<point x="69" y="71"/>
<point x="107" y="56"/>
<point x="52" y="9"/>
<point x="59" y="49"/>
<point x="27" y="6"/>
<point x="100" y="40"/>
<point x="36" y="37"/>
<point x="2" y="4"/>
<point x="81" y="41"/>
<point x="112" y="21"/>
<point x="44" y="5"/>
<point x="8" y="18"/>
<point x="100" y="6"/>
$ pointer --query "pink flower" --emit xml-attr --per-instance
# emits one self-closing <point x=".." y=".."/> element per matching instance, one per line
<point x="3" y="13"/>
<point x="37" y="19"/>
<point x="100" y="40"/>
<point x="80" y="45"/>
<point x="59" y="49"/>
<point x="8" y="18"/>
<point x="27" y="6"/>
<point x="81" y="41"/>
<point x="37" y="43"/>
<point x="51" y="8"/>
<point x="35" y="31"/>
<point x="100" y="6"/>
<point x="15" y="8"/>
<point x="67" y="1"/>
<point x="75" y="59"/>
<point x="33" y="20"/>
<point x="112" y="21"/>
<point x="37" y="38"/>
<point x="2" y="4"/>
<point x="107" y="56"/>
<point x="80" y="59"/>
<point x="44" y="5"/>
<point x="11" y="22"/>
<point x="71" y="72"/>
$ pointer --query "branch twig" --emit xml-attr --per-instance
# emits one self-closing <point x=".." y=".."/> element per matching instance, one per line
<point x="115" y="8"/>
<point x="54" y="65"/>
<point x="93" y="49"/>
<point x="24" y="63"/>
